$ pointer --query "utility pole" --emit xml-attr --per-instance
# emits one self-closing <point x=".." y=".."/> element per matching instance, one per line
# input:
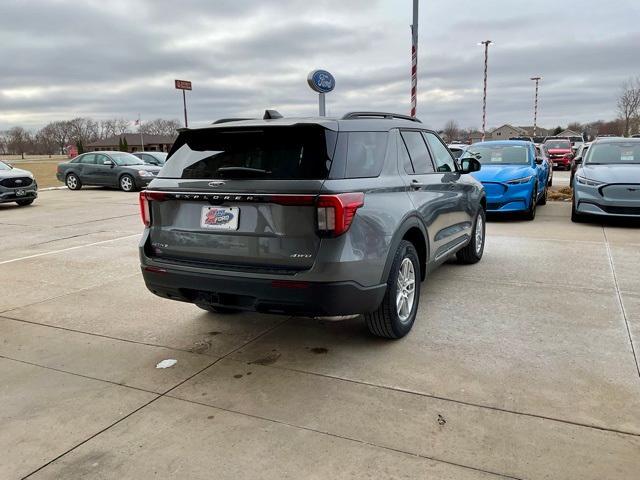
<point x="414" y="59"/>
<point x="535" y="106"/>
<point x="486" y="44"/>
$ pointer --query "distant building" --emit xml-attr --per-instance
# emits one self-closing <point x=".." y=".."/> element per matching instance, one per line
<point x="153" y="143"/>
<point x="505" y="132"/>
<point x="540" y="131"/>
<point x="569" y="133"/>
<point x="475" y="137"/>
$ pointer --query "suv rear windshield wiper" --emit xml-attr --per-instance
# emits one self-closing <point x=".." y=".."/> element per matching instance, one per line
<point x="243" y="171"/>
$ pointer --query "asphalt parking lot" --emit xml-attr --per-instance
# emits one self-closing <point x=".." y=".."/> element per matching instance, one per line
<point x="521" y="366"/>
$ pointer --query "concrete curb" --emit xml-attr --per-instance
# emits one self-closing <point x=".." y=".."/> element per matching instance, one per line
<point x="51" y="188"/>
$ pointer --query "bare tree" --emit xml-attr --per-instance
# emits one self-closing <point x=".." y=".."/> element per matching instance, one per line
<point x="451" y="130"/>
<point x="18" y="140"/>
<point x="121" y="126"/>
<point x="84" y="130"/>
<point x="629" y="103"/>
<point x="575" y="126"/>
<point x="160" y="126"/>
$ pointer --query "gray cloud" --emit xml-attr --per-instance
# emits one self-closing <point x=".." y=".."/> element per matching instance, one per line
<point x="62" y="58"/>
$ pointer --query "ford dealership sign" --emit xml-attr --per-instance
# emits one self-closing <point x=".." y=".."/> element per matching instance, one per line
<point x="321" y="81"/>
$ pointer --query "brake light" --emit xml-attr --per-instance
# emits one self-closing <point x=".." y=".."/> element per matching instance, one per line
<point x="336" y="212"/>
<point x="298" y="200"/>
<point x="145" y="204"/>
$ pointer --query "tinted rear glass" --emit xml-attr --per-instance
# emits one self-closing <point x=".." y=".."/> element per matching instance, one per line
<point x="275" y="153"/>
<point x="365" y="154"/>
<point x="557" y="144"/>
<point x="500" y="154"/>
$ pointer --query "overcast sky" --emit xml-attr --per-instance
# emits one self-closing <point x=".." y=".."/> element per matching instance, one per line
<point x="115" y="58"/>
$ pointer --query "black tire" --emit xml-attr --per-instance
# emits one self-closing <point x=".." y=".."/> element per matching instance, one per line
<point x="215" y="308"/>
<point x="550" y="180"/>
<point x="575" y="216"/>
<point x="531" y="213"/>
<point x="127" y="183"/>
<point x="24" y="203"/>
<point x="385" y="321"/>
<point x="73" y="182"/>
<point x="471" y="253"/>
<point x="543" y="199"/>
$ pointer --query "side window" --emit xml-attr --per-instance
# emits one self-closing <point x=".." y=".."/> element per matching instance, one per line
<point x="88" y="159"/>
<point x="366" y="152"/>
<point x="420" y="157"/>
<point x="100" y="159"/>
<point x="444" y="160"/>
<point x="403" y="155"/>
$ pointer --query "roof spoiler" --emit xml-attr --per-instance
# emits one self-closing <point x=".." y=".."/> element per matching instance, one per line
<point x="271" y="114"/>
<point x="380" y="115"/>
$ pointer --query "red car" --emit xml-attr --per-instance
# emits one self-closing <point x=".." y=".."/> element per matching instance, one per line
<point x="560" y="152"/>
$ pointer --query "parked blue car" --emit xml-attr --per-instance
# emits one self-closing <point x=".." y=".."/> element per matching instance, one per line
<point x="515" y="180"/>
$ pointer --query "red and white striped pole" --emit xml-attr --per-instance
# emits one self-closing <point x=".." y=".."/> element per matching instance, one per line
<point x="535" y="107"/>
<point x="486" y="44"/>
<point x="414" y="59"/>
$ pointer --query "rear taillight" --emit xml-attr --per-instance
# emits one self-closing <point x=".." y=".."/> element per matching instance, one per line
<point x="145" y="205"/>
<point x="336" y="212"/>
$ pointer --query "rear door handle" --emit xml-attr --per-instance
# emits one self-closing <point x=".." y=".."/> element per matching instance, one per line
<point x="415" y="185"/>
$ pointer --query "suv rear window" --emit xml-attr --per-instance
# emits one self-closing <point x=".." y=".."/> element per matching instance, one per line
<point x="272" y="153"/>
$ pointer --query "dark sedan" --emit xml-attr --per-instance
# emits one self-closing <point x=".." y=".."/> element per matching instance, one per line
<point x="152" y="158"/>
<point x="17" y="185"/>
<point x="110" y="169"/>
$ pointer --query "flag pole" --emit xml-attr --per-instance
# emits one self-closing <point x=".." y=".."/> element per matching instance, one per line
<point x="140" y="130"/>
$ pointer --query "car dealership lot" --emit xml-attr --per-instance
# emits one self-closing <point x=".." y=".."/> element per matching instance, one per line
<point x="519" y="366"/>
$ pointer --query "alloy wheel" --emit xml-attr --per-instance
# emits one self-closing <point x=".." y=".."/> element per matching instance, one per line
<point x="72" y="182"/>
<point x="405" y="293"/>
<point x="479" y="234"/>
<point x="126" y="183"/>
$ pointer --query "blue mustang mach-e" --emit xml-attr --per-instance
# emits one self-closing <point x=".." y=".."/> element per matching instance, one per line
<point x="514" y="179"/>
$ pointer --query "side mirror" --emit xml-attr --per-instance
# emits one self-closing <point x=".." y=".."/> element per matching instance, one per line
<point x="469" y="164"/>
<point x="577" y="160"/>
<point x="108" y="162"/>
<point x="539" y="160"/>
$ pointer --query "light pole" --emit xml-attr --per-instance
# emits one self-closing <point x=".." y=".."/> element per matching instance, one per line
<point x="414" y="59"/>
<point x="486" y="44"/>
<point x="535" y="106"/>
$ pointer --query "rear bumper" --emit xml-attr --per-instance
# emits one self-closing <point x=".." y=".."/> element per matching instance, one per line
<point x="278" y="295"/>
<point x="560" y="162"/>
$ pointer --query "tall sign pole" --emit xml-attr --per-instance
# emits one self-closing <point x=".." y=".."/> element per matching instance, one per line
<point x="486" y="44"/>
<point x="322" y="82"/>
<point x="184" y="85"/>
<point x="414" y="59"/>
<point x="535" y="106"/>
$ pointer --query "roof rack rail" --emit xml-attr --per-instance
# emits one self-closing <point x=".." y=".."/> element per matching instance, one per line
<point x="386" y="115"/>
<point x="227" y="120"/>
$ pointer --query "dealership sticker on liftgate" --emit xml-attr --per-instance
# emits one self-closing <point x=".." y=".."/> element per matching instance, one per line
<point x="220" y="218"/>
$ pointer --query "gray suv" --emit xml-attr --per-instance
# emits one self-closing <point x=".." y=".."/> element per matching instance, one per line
<point x="315" y="217"/>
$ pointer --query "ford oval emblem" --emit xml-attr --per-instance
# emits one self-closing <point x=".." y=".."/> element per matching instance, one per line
<point x="321" y="81"/>
<point x="217" y="183"/>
